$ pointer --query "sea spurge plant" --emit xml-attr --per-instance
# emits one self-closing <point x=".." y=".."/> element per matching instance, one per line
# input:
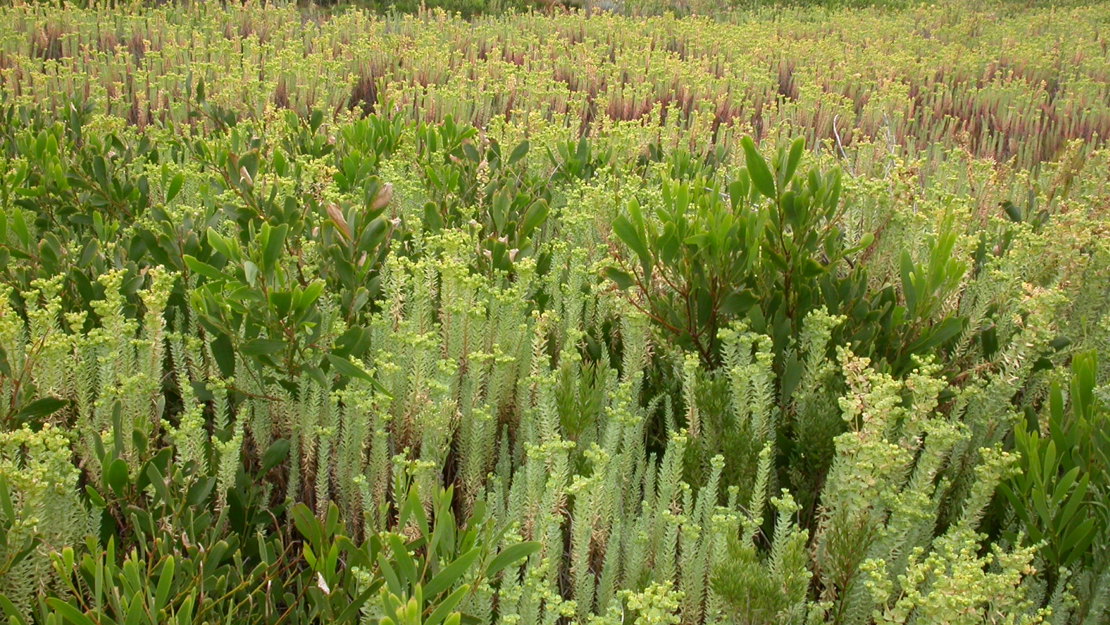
<point x="880" y="496"/>
<point x="655" y="605"/>
<point x="755" y="591"/>
<point x="40" y="513"/>
<point x="952" y="582"/>
<point x="332" y="335"/>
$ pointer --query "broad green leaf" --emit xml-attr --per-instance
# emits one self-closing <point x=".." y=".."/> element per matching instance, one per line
<point x="793" y="158"/>
<point x="220" y="244"/>
<point x="1012" y="211"/>
<point x="165" y="581"/>
<point x="737" y="304"/>
<point x="1079" y="539"/>
<point x="274" y="455"/>
<point x="95" y="497"/>
<point x="511" y="555"/>
<point x="68" y="612"/>
<point x="406" y="564"/>
<point x="345" y="367"/>
<point x="939" y="335"/>
<point x="307" y="524"/>
<point x="185" y="612"/>
<point x="534" y="217"/>
<point x="351" y="612"/>
<point x="622" y="278"/>
<point x="204" y="269"/>
<point x="250" y="271"/>
<point x="155" y="480"/>
<point x="174" y="187"/>
<point x="275" y="244"/>
<point x="259" y="347"/>
<point x="518" y="152"/>
<point x="14" y="615"/>
<point x="310" y="294"/>
<point x="758" y="170"/>
<point x="393" y="583"/>
<point x="1077" y="498"/>
<point x="224" y="353"/>
<point x="449" y="603"/>
<point x="19" y="227"/>
<point x="451" y="573"/>
<point x="116" y="476"/>
<point x="41" y="408"/>
<point x="634" y="240"/>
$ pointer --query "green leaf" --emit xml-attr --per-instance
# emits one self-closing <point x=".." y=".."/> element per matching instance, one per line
<point x="174" y="187"/>
<point x="373" y="235"/>
<point x="406" y="564"/>
<point x="116" y="476"/>
<point x="250" y="271"/>
<point x="939" y="335"/>
<point x="260" y="347"/>
<point x="534" y="217"/>
<point x="203" y="268"/>
<point x="310" y="294"/>
<point x="345" y="367"/>
<point x="275" y="244"/>
<point x="68" y="612"/>
<point x="758" y="170"/>
<point x="792" y="160"/>
<point x="447" y="577"/>
<point x="1079" y="539"/>
<point x="220" y="244"/>
<point x="447" y="605"/>
<point x="274" y="455"/>
<point x="737" y="304"/>
<point x="41" y="408"/>
<point x="351" y="612"/>
<point x="518" y="152"/>
<point x="633" y="238"/>
<point x="1063" y="486"/>
<point x="433" y="221"/>
<point x="391" y="579"/>
<point x="94" y="497"/>
<point x="6" y="505"/>
<point x="622" y="278"/>
<point x="165" y="580"/>
<point x="1040" y="504"/>
<point x="19" y="226"/>
<point x="792" y="375"/>
<point x="471" y="152"/>
<point x="29" y="545"/>
<point x="307" y="524"/>
<point x="1064" y="516"/>
<point x="511" y="555"/>
<point x="224" y="353"/>
<point x="14" y="616"/>
<point x="281" y="302"/>
<point x="185" y="612"/>
<point x="354" y="342"/>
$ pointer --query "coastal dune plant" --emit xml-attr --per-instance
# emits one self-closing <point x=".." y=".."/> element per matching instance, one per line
<point x="537" y="318"/>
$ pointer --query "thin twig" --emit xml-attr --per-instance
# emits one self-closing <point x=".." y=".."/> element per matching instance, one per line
<point x="840" y="145"/>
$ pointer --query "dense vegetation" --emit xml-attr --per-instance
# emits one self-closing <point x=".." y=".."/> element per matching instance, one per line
<point x="787" y="317"/>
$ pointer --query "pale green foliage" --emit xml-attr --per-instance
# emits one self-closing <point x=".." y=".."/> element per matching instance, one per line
<point x="837" y="463"/>
<point x="39" y="510"/>
<point x="771" y="591"/>
<point x="655" y="605"/>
